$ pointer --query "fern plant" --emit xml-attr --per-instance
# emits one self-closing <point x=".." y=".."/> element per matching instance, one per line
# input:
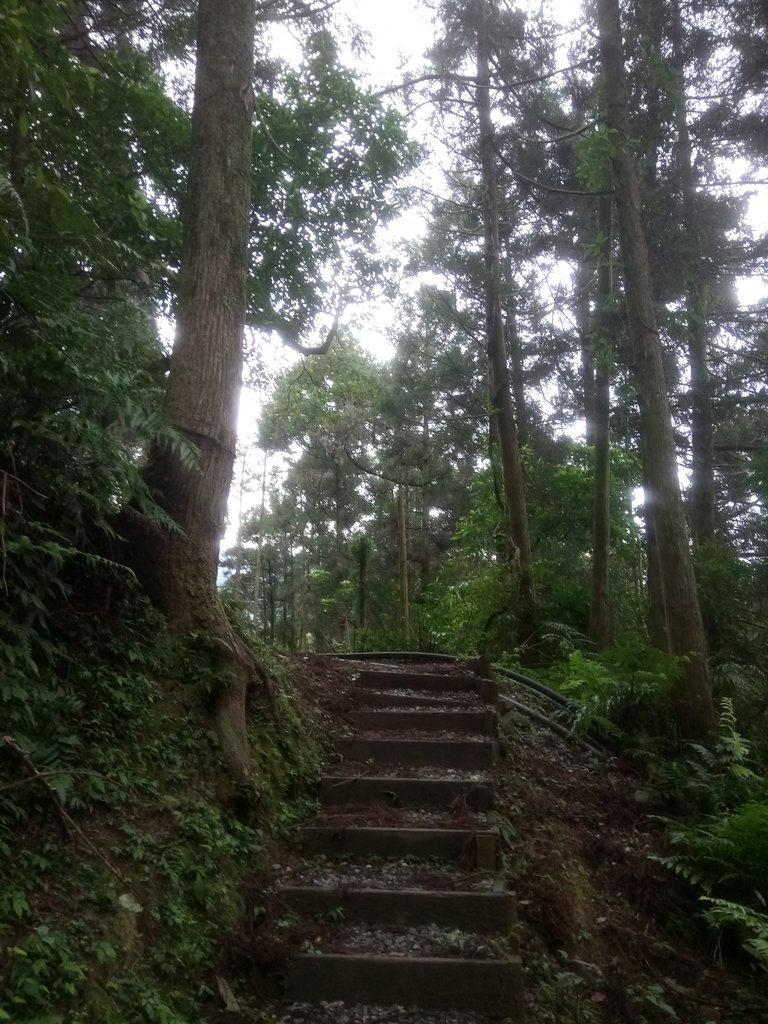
<point x="750" y="926"/>
<point x="624" y="693"/>
<point x="725" y="858"/>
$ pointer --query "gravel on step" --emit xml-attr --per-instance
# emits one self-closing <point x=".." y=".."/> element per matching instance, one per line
<point x="386" y="816"/>
<point x="428" y="940"/>
<point x="452" y="709"/>
<point x="340" y="1013"/>
<point x="348" y="729"/>
<point x="362" y="769"/>
<point x="449" y="697"/>
<point x="385" y="875"/>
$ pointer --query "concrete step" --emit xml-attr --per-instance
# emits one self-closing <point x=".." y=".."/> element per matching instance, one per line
<point x="380" y="679"/>
<point x="474" y="847"/>
<point x="405" y="792"/>
<point x="481" y="722"/>
<point x="492" y="988"/>
<point x="484" y="913"/>
<point x="469" y="755"/>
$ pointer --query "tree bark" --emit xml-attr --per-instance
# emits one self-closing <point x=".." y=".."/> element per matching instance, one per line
<point x="512" y="339"/>
<point x="402" y="559"/>
<point x="691" y="692"/>
<point x="586" y="331"/>
<point x="701" y="495"/>
<point x="425" y="473"/>
<point x="502" y="409"/>
<point x="363" y="549"/>
<point x="180" y="568"/>
<point x="599" y="612"/>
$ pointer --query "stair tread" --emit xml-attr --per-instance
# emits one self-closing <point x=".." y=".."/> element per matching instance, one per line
<point x="414" y="782"/>
<point x="390" y="876"/>
<point x="483" y="986"/>
<point x="386" y="815"/>
<point x="328" y="1013"/>
<point x="347" y="769"/>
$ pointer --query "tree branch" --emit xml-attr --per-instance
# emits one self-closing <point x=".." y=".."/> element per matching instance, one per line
<point x="550" y="188"/>
<point x="378" y="473"/>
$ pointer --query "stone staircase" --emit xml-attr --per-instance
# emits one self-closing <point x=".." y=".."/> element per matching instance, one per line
<point x="409" y="855"/>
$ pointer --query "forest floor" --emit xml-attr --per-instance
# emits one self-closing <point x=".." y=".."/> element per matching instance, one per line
<point x="138" y="907"/>
<point x="606" y="934"/>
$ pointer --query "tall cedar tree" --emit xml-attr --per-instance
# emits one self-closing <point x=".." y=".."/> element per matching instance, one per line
<point x="179" y="569"/>
<point x="599" y="610"/>
<point x="669" y="555"/>
<point x="502" y="409"/>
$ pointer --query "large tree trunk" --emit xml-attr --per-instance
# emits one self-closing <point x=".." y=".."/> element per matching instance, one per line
<point x="180" y="568"/>
<point x="601" y="352"/>
<point x="502" y="409"/>
<point x="701" y="496"/>
<point x="691" y="693"/>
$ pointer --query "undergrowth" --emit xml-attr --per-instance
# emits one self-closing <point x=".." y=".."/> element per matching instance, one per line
<point x="713" y="801"/>
<point x="123" y="868"/>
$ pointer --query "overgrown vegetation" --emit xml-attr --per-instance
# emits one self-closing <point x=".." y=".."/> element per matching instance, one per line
<point x="713" y="802"/>
<point x="125" y="868"/>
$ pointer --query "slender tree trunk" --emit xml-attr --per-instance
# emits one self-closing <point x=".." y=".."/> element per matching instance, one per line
<point x="238" y="574"/>
<point x="599" y="615"/>
<point x="362" y="582"/>
<point x="512" y="339"/>
<point x="272" y="600"/>
<point x="180" y="569"/>
<point x="260" y="544"/>
<point x="502" y="409"/>
<point x="402" y="559"/>
<point x="585" y="326"/>
<point x="691" y="694"/>
<point x="301" y="604"/>
<point x="264" y="606"/>
<point x="291" y="598"/>
<point x="425" y="559"/>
